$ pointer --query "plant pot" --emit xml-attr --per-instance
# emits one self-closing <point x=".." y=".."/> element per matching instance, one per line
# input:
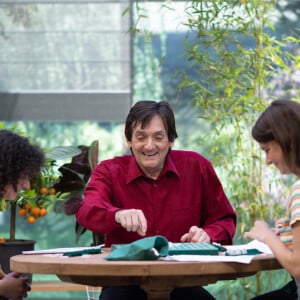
<point x="13" y="247"/>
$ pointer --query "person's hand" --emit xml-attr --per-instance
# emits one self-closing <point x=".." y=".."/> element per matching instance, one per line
<point x="278" y="226"/>
<point x="195" y="235"/>
<point x="132" y="220"/>
<point x="13" y="286"/>
<point x="279" y="222"/>
<point x="260" y="231"/>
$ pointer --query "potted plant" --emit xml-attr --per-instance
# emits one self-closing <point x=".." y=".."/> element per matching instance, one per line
<point x="34" y="203"/>
<point x="75" y="176"/>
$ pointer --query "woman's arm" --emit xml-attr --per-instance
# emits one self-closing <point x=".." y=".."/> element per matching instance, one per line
<point x="289" y="259"/>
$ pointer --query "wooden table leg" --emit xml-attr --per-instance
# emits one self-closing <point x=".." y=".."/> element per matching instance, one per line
<point x="157" y="289"/>
<point x="158" y="295"/>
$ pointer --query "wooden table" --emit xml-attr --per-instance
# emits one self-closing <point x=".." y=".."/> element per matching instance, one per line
<point x="157" y="278"/>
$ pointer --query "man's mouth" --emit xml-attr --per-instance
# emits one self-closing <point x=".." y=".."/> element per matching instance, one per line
<point x="150" y="155"/>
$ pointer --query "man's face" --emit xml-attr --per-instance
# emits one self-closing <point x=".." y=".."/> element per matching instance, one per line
<point x="11" y="194"/>
<point x="150" y="146"/>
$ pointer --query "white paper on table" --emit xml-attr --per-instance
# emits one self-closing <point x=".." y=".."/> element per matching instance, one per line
<point x="262" y="247"/>
<point x="60" y="250"/>
<point x="245" y="259"/>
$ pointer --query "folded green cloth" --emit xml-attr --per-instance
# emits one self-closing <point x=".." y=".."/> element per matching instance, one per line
<point x="149" y="248"/>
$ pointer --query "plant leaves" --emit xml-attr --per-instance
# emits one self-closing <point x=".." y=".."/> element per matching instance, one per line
<point x="62" y="152"/>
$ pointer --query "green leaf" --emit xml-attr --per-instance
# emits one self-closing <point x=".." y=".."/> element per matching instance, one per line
<point x="62" y="152"/>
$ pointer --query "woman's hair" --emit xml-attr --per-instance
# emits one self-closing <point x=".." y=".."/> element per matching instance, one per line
<point x="143" y="112"/>
<point x="280" y="122"/>
<point x="18" y="158"/>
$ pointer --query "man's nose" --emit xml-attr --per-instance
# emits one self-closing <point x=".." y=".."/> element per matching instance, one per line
<point x="149" y="143"/>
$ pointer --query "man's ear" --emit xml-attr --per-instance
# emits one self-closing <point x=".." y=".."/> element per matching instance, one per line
<point x="129" y="143"/>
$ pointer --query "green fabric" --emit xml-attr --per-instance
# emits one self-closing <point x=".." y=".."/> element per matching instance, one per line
<point x="149" y="248"/>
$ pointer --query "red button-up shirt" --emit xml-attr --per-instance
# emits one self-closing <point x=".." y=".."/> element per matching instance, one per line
<point x="187" y="192"/>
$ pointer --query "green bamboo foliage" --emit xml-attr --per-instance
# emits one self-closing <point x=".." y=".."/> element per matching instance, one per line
<point x="230" y="92"/>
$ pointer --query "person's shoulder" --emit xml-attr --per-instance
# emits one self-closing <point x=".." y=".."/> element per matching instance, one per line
<point x="188" y="155"/>
<point x="296" y="187"/>
<point x="117" y="160"/>
<point x="192" y="161"/>
<point x="114" y="163"/>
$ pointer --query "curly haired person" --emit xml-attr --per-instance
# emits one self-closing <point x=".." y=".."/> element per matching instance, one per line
<point x="19" y="162"/>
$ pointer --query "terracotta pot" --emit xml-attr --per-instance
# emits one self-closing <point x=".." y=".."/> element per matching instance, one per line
<point x="13" y="247"/>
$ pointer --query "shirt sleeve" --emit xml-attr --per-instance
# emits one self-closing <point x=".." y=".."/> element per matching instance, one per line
<point x="219" y="217"/>
<point x="96" y="212"/>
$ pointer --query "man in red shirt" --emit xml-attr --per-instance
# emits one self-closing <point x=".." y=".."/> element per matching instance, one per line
<point x="156" y="191"/>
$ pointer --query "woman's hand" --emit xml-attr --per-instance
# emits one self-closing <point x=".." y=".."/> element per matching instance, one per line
<point x="260" y="231"/>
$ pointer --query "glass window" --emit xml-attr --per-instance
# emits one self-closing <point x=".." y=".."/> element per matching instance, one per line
<point x="64" y="60"/>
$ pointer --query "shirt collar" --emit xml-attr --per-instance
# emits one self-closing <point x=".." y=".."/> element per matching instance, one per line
<point x="134" y="171"/>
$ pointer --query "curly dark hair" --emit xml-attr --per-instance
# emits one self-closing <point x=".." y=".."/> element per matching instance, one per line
<point x="18" y="158"/>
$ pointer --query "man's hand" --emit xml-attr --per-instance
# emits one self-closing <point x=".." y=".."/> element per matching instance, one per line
<point x="132" y="220"/>
<point x="195" y="235"/>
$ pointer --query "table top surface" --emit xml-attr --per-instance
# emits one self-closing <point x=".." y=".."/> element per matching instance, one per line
<point x="157" y="277"/>
<point x="96" y="265"/>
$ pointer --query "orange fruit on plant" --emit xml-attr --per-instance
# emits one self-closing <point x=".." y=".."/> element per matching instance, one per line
<point x="43" y="211"/>
<point x="52" y="191"/>
<point x="22" y="212"/>
<point x="44" y="191"/>
<point x="27" y="206"/>
<point x="35" y="211"/>
<point x="31" y="219"/>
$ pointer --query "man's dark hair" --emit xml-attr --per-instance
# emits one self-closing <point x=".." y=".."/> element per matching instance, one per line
<point x="18" y="158"/>
<point x="142" y="113"/>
